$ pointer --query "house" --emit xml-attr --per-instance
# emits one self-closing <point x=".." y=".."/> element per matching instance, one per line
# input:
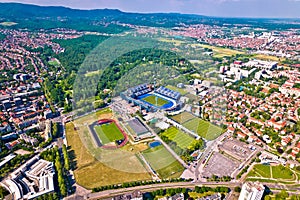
<point x="5" y="128"/>
<point x="11" y="145"/>
<point x="136" y="195"/>
<point x="241" y="135"/>
<point x="230" y="129"/>
<point x="177" y="197"/>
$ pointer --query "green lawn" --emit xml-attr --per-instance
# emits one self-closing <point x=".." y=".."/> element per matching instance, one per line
<point x="109" y="133"/>
<point x="180" y="90"/>
<point x="277" y="172"/>
<point x="183" y="117"/>
<point x="152" y="99"/>
<point x="282" y="172"/>
<point x="182" y="139"/>
<point x="163" y="162"/>
<point x="53" y="62"/>
<point x="203" y="128"/>
<point x="260" y="171"/>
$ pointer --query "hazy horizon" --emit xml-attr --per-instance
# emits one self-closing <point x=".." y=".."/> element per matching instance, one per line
<point x="217" y="8"/>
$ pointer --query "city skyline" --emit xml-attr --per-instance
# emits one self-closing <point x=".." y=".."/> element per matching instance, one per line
<point x="221" y="8"/>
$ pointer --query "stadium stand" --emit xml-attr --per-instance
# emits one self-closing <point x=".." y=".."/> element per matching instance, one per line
<point x="168" y="93"/>
<point x="139" y="90"/>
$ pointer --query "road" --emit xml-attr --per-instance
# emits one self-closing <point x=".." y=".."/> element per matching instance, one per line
<point x="147" y="188"/>
<point x="205" y="156"/>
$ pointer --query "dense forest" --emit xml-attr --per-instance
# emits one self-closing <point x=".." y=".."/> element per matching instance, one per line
<point x="2" y="36"/>
<point x="57" y="88"/>
<point x="130" y="60"/>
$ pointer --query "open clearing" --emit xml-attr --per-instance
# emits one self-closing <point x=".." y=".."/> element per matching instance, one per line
<point x="163" y="162"/>
<point x="108" y="132"/>
<point x="8" y="23"/>
<point x="53" y="63"/>
<point x="222" y="52"/>
<point x="115" y="166"/>
<point x="182" y="139"/>
<point x="174" y="41"/>
<point x="267" y="57"/>
<point x="203" y="128"/>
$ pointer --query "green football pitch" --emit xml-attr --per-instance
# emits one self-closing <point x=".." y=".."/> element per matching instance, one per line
<point x="152" y="100"/>
<point x="163" y="162"/>
<point x="182" y="139"/>
<point x="108" y="132"/>
<point x="203" y="128"/>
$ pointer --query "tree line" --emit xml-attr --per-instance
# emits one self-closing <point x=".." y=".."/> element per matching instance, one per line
<point x="138" y="183"/>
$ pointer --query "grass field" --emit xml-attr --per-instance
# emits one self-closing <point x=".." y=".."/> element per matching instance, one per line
<point x="8" y="23"/>
<point x="108" y="132"/>
<point x="282" y="172"/>
<point x="203" y="128"/>
<point x="163" y="162"/>
<point x="183" y="117"/>
<point x="276" y="172"/>
<point x="174" y="41"/>
<point x="222" y="52"/>
<point x="261" y="171"/>
<point x="152" y="99"/>
<point x="267" y="57"/>
<point x="182" y="139"/>
<point x="54" y="62"/>
<point x="180" y="90"/>
<point x="91" y="172"/>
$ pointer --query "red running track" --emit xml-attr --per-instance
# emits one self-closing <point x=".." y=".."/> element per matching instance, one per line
<point x="104" y="121"/>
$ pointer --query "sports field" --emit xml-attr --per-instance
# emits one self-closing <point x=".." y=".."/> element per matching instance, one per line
<point x="183" y="117"/>
<point x="108" y="132"/>
<point x="203" y="128"/>
<point x="182" y="139"/>
<point x="154" y="100"/>
<point x="95" y="167"/>
<point x="163" y="162"/>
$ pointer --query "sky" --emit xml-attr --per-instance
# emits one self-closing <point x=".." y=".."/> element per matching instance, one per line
<point x="223" y="8"/>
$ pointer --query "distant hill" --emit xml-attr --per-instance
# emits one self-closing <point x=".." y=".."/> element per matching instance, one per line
<point x="18" y="10"/>
<point x="47" y="17"/>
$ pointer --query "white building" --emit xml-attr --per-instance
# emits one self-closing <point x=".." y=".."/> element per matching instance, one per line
<point x="252" y="191"/>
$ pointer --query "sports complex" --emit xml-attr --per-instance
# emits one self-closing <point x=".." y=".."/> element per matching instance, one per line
<point x="153" y="99"/>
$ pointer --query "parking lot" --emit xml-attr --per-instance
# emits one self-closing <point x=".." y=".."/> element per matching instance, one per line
<point x="235" y="148"/>
<point x="220" y="165"/>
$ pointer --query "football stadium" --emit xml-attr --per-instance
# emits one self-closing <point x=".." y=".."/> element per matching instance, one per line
<point x="152" y="99"/>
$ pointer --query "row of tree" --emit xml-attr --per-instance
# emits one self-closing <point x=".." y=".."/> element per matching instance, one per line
<point x="53" y="155"/>
<point x="139" y="183"/>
